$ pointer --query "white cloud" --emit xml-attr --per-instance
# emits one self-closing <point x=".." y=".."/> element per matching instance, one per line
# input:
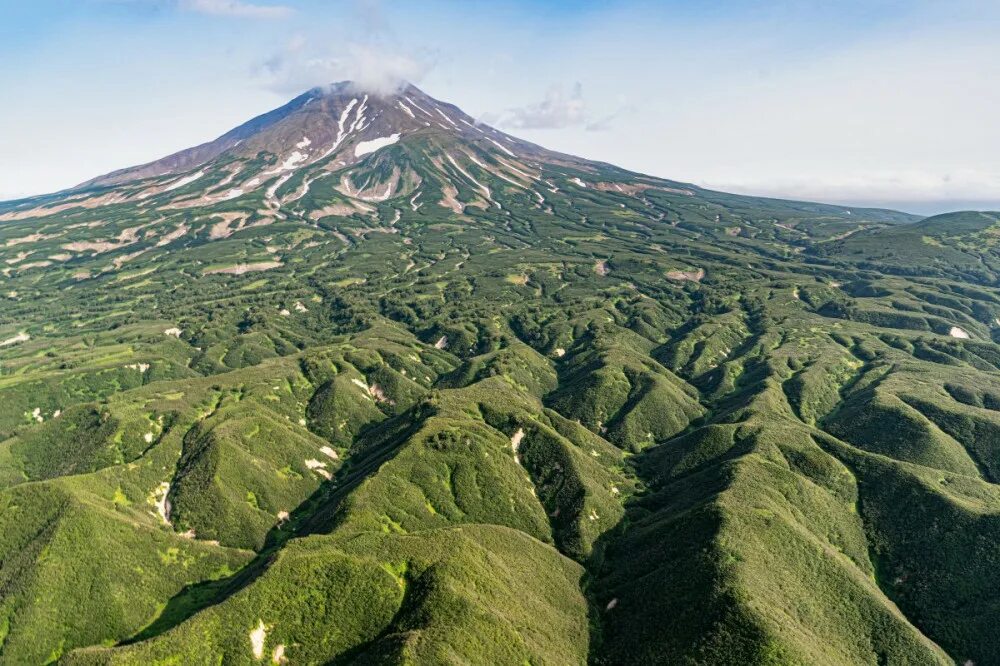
<point x="379" y="69"/>
<point x="236" y="8"/>
<point x="362" y="48"/>
<point x="558" y="109"/>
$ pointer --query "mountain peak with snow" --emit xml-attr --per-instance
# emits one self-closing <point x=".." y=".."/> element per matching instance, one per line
<point x="364" y="147"/>
<point x="338" y="122"/>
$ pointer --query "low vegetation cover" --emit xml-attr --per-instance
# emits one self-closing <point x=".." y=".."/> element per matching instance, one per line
<point x="458" y="399"/>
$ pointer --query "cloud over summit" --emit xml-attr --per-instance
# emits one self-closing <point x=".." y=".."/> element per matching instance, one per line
<point x="373" y="69"/>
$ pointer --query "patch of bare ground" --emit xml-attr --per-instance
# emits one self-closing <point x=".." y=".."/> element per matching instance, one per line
<point x="364" y="231"/>
<point x="98" y="247"/>
<point x="224" y="228"/>
<point x="20" y="337"/>
<point x="846" y="234"/>
<point x="31" y="238"/>
<point x="450" y="199"/>
<point x="18" y="258"/>
<point x="122" y="260"/>
<point x="633" y="189"/>
<point x="240" y="269"/>
<point x="373" y="191"/>
<point x="520" y="280"/>
<point x="692" y="276"/>
<point x="172" y="236"/>
<point x="34" y="264"/>
<point x="125" y="238"/>
<point x="339" y="210"/>
<point x="45" y="211"/>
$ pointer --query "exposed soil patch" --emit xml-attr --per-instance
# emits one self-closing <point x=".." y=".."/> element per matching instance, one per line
<point x="240" y="269"/>
<point x="692" y="276"/>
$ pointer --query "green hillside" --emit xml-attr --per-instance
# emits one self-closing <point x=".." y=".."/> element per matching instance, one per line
<point x="462" y="400"/>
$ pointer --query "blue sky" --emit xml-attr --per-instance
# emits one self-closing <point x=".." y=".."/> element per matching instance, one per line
<point x="885" y="102"/>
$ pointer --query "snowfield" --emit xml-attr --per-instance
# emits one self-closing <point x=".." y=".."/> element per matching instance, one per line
<point x="366" y="147"/>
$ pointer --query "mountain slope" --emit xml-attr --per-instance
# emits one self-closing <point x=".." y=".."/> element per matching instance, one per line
<point x="364" y="381"/>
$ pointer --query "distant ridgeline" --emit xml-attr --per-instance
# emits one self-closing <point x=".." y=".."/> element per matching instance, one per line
<point x="365" y="381"/>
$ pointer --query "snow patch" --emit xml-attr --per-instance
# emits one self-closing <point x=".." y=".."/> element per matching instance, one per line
<point x="475" y="127"/>
<point x="418" y="106"/>
<point x="366" y="147"/>
<point x="516" y="170"/>
<point x="290" y="162"/>
<point x="186" y="180"/>
<point x="406" y="108"/>
<point x="340" y="128"/>
<point x="270" y="194"/>
<point x="465" y="173"/>
<point x="445" y="116"/>
<point x="577" y="181"/>
<point x="176" y="332"/>
<point x="303" y="143"/>
<point x="956" y="332"/>
<point x="501" y="147"/>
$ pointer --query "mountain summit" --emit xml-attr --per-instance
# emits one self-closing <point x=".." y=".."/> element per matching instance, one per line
<point x="331" y="128"/>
